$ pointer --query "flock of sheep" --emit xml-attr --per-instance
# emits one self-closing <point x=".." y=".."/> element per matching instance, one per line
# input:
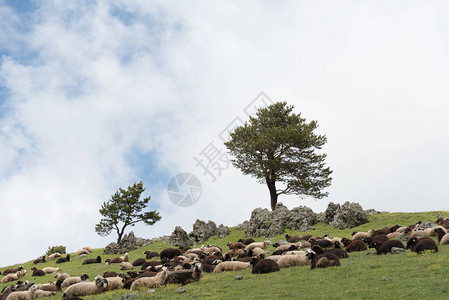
<point x="186" y="265"/>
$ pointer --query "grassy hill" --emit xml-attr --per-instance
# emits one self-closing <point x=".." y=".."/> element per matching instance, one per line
<point x="361" y="276"/>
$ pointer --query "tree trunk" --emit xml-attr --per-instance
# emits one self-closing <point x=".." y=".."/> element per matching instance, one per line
<point x="119" y="237"/>
<point x="273" y="195"/>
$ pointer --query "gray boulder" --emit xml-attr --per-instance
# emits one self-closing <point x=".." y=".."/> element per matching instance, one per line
<point x="129" y="296"/>
<point x="223" y="231"/>
<point x="128" y="243"/>
<point x="397" y="250"/>
<point x="301" y="218"/>
<point x="180" y="238"/>
<point x="279" y="220"/>
<point x="329" y="214"/>
<point x="349" y="215"/>
<point x="202" y="231"/>
<point x="259" y="223"/>
<point x="243" y="226"/>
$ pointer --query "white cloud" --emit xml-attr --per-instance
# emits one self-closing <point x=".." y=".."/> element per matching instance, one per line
<point x="102" y="81"/>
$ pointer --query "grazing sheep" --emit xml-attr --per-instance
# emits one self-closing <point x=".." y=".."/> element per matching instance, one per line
<point x="385" y="247"/>
<point x="14" y="276"/>
<point x="322" y="260"/>
<point x="83" y="252"/>
<point x="354" y="245"/>
<point x="237" y="245"/>
<point x="149" y="254"/>
<point x="54" y="255"/>
<point x="37" y="272"/>
<point x="42" y="294"/>
<point x="86" y="288"/>
<point x="149" y="282"/>
<point x="363" y="234"/>
<point x="443" y="238"/>
<point x="39" y="260"/>
<point x="170" y="253"/>
<point x="287" y="261"/>
<point x="8" y="271"/>
<point x="139" y="262"/>
<point x="61" y="276"/>
<point x="92" y="260"/>
<point x="231" y="266"/>
<point x="421" y="245"/>
<point x="49" y="270"/>
<point x="126" y="266"/>
<point x="73" y="280"/>
<point x="263" y="266"/>
<point x="115" y="283"/>
<point x="184" y="276"/>
<point x="63" y="259"/>
<point x="261" y="245"/>
<point x="246" y="241"/>
<point x="25" y="295"/>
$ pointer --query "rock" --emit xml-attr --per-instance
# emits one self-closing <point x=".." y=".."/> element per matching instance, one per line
<point x="180" y="238"/>
<point x="129" y="296"/>
<point x="181" y="290"/>
<point x="239" y="277"/>
<point x="223" y="231"/>
<point x="151" y="291"/>
<point x="330" y="213"/>
<point x="373" y="212"/>
<point x="279" y="217"/>
<point x="259" y="223"/>
<point x="426" y="225"/>
<point x="128" y="243"/>
<point x="202" y="231"/>
<point x="396" y="250"/>
<point x="349" y="215"/>
<point x="301" y="218"/>
<point x="244" y="226"/>
<point x="163" y="238"/>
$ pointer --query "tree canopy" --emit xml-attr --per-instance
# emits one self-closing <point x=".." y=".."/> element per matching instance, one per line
<point x="278" y="145"/>
<point x="125" y="208"/>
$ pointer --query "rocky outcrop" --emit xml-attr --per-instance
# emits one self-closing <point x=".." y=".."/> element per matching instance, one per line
<point x="223" y="231"/>
<point x="202" y="231"/>
<point x="349" y="215"/>
<point x="180" y="238"/>
<point x="259" y="223"/>
<point x="128" y="243"/>
<point x="301" y="218"/>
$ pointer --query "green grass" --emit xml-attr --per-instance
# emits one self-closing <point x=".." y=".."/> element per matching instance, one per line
<point x="361" y="276"/>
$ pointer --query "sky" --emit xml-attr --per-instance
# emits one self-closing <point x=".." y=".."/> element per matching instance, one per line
<point x="98" y="95"/>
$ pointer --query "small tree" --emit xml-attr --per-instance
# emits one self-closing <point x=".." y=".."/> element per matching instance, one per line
<point x="125" y="208"/>
<point x="280" y="146"/>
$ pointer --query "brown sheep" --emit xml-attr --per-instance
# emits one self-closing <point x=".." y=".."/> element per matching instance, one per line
<point x="237" y="245"/>
<point x="354" y="245"/>
<point x="246" y="241"/>
<point x="421" y="245"/>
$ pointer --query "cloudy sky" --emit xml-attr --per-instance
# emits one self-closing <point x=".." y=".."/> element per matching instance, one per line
<point x="97" y="95"/>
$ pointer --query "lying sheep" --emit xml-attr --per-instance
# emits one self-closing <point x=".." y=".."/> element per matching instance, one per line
<point x="235" y="252"/>
<point x="25" y="295"/>
<point x="37" y="272"/>
<point x="50" y="270"/>
<point x="363" y="234"/>
<point x="210" y="249"/>
<point x="14" y="276"/>
<point x="115" y="283"/>
<point x="8" y="271"/>
<point x="184" y="276"/>
<point x="126" y="266"/>
<point x="443" y="237"/>
<point x="73" y="280"/>
<point x="63" y="259"/>
<point x="42" y="294"/>
<point x="61" y="276"/>
<point x="92" y="260"/>
<point x="263" y="266"/>
<point x="139" y="262"/>
<point x="246" y="241"/>
<point x="257" y="251"/>
<point x="149" y="254"/>
<point x="237" y="245"/>
<point x="83" y="252"/>
<point x="54" y="255"/>
<point x="385" y="247"/>
<point x="421" y="245"/>
<point x="117" y="260"/>
<point x="354" y="245"/>
<point x="88" y="249"/>
<point x="231" y="266"/>
<point x="287" y="261"/>
<point x="39" y="260"/>
<point x="170" y="253"/>
<point x="86" y="288"/>
<point x="261" y="245"/>
<point x="50" y="287"/>
<point x="322" y="260"/>
<point x="149" y="282"/>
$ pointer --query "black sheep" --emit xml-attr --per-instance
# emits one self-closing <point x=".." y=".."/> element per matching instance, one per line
<point x="170" y="253"/>
<point x="385" y="230"/>
<point x="263" y="266"/>
<point x="37" y="272"/>
<point x="184" y="276"/>
<point x="110" y="274"/>
<point x="353" y="246"/>
<point x="150" y="254"/>
<point x="208" y="267"/>
<point x="139" y="262"/>
<point x="337" y="251"/>
<point x="63" y="259"/>
<point x="292" y="239"/>
<point x="151" y="264"/>
<point x="421" y="245"/>
<point x="378" y="238"/>
<point x="385" y="247"/>
<point x="322" y="243"/>
<point x="7" y="271"/>
<point x="128" y="281"/>
<point x="246" y="241"/>
<point x="92" y="261"/>
<point x="36" y="261"/>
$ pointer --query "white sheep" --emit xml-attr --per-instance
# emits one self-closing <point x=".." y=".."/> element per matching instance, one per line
<point x="231" y="266"/>
<point x="73" y="280"/>
<point x="149" y="282"/>
<point x="287" y="261"/>
<point x="363" y="234"/>
<point x="234" y="252"/>
<point x="54" y="255"/>
<point x="262" y="245"/>
<point x="115" y="283"/>
<point x="401" y="229"/>
<point x="14" y="276"/>
<point x="287" y="246"/>
<point x="61" y="276"/>
<point x="83" y="252"/>
<point x="258" y="251"/>
<point x="126" y="266"/>
<point x="210" y="249"/>
<point x="393" y="235"/>
<point x="49" y="270"/>
<point x="294" y="252"/>
<point x="24" y="295"/>
<point x="86" y="288"/>
<point x="42" y="294"/>
<point x="88" y="249"/>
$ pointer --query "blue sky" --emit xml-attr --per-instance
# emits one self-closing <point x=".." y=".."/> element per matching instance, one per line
<point x="98" y="95"/>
